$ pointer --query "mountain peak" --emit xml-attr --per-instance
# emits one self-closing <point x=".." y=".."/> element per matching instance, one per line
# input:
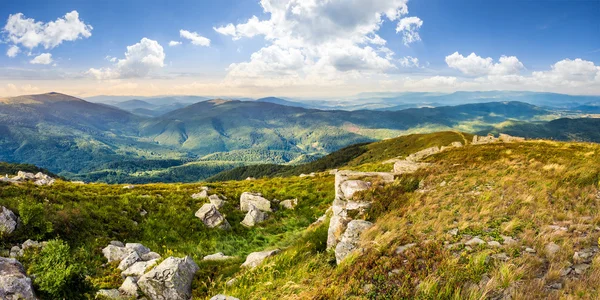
<point x="51" y="97"/>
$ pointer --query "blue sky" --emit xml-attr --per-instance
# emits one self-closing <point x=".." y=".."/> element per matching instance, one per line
<point x="301" y="48"/>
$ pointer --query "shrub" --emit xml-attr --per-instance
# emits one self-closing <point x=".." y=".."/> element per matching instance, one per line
<point x="32" y="215"/>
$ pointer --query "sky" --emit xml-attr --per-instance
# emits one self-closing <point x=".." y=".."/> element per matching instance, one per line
<point x="298" y="48"/>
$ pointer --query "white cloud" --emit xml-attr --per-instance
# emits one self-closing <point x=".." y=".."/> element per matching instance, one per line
<point x="110" y="58"/>
<point x="30" y="33"/>
<point x="174" y="43"/>
<point x="431" y="82"/>
<point x="475" y="65"/>
<point x="140" y="60"/>
<point x="13" y="51"/>
<point x="569" y="72"/>
<point x="410" y="29"/>
<point x="42" y="59"/>
<point x="334" y="40"/>
<point x="409" y="62"/>
<point x="195" y="38"/>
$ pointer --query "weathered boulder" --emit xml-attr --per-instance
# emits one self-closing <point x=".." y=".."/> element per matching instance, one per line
<point x="255" y="199"/>
<point x="223" y="297"/>
<point x="423" y="153"/>
<point x="15" y="252"/>
<point x="116" y="243"/>
<point x="137" y="247"/>
<point x="129" y="287"/>
<point x="217" y="256"/>
<point x="211" y="217"/>
<point x="172" y="279"/>
<point x="115" y="253"/>
<point x="129" y="260"/>
<point x="349" y="187"/>
<point x="8" y="221"/>
<point x="150" y="256"/>
<point x="25" y="175"/>
<point x="289" y="203"/>
<point x="109" y="294"/>
<point x="202" y="194"/>
<point x="408" y="166"/>
<point x="14" y="283"/>
<point x="216" y="201"/>
<point x="139" y="268"/>
<point x="510" y="139"/>
<point x="254" y="216"/>
<point x="349" y="240"/>
<point x="256" y="258"/>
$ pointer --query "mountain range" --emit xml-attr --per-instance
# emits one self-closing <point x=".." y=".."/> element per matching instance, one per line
<point x="151" y="139"/>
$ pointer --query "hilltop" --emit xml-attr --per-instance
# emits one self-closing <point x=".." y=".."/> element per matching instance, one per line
<point x="501" y="219"/>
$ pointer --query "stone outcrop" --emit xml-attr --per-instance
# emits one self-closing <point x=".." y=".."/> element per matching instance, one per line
<point x="254" y="216"/>
<point x="417" y="156"/>
<point x="8" y="221"/>
<point x="350" y="239"/>
<point x="254" y="259"/>
<point x="255" y="199"/>
<point x="211" y="217"/>
<point x="133" y="258"/>
<point x="217" y="256"/>
<point x="505" y="138"/>
<point x="349" y="187"/>
<point x="14" y="283"/>
<point x="172" y="279"/>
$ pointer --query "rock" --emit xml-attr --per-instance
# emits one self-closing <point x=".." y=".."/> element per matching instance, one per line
<point x="223" y="297"/>
<point x="41" y="182"/>
<point x="501" y="256"/>
<point x="423" y="153"/>
<point x="289" y="203"/>
<point x="510" y="139"/>
<point x="583" y="256"/>
<point x="172" y="279"/>
<point x="231" y="282"/>
<point x="566" y="271"/>
<point x="493" y="244"/>
<point x="580" y="268"/>
<point x="507" y="240"/>
<point x="254" y="216"/>
<point x="115" y="253"/>
<point x="217" y="256"/>
<point x="108" y="294"/>
<point x="256" y="258"/>
<point x="139" y="268"/>
<point x="453" y="232"/>
<point x="117" y="243"/>
<point x="129" y="287"/>
<point x="143" y="212"/>
<point x="256" y="199"/>
<point x="129" y="260"/>
<point x="25" y="175"/>
<point x="551" y="249"/>
<point x="350" y="238"/>
<point x="16" y="252"/>
<point x="349" y="187"/>
<point x="216" y="201"/>
<point x="129" y="187"/>
<point x="137" y="247"/>
<point x="474" y="242"/>
<point x="529" y="250"/>
<point x="408" y="166"/>
<point x="403" y="248"/>
<point x="211" y="217"/>
<point x="14" y="283"/>
<point x="150" y="256"/>
<point x="8" y="221"/>
<point x="250" y="178"/>
<point x="202" y="194"/>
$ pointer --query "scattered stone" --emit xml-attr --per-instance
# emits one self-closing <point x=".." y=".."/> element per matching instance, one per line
<point x="139" y="268"/>
<point x="256" y="258"/>
<point x="8" y="221"/>
<point x="566" y="271"/>
<point x="529" y="250"/>
<point x="453" y="232"/>
<point x="216" y="201"/>
<point x="350" y="238"/>
<point x="250" y="178"/>
<point x="408" y="166"/>
<point x="253" y="217"/>
<point x="202" y="194"/>
<point x="143" y="212"/>
<point x="493" y="244"/>
<point x="556" y="286"/>
<point x="584" y="255"/>
<point x="580" y="268"/>
<point x="289" y="203"/>
<point x="501" y="256"/>
<point x="217" y="256"/>
<point x="367" y="288"/>
<point x="117" y="243"/>
<point x="403" y="248"/>
<point x="115" y="253"/>
<point x="172" y="279"/>
<point x="211" y="217"/>
<point x="129" y="287"/>
<point x="14" y="283"/>
<point x="223" y="297"/>
<point x="150" y="256"/>
<point x="129" y="187"/>
<point x="474" y="242"/>
<point x="551" y="249"/>
<point x="417" y="156"/>
<point x="15" y="252"/>
<point x="129" y="260"/>
<point x="507" y="240"/>
<point x="349" y="187"/>
<point x="255" y="199"/>
<point x="108" y="294"/>
<point x="139" y="248"/>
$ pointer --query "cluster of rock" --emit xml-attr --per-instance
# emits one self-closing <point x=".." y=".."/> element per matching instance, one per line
<point x="14" y="283"/>
<point x="411" y="164"/>
<point x="38" y="179"/>
<point x="480" y="140"/>
<point x="8" y="221"/>
<point x="209" y="212"/>
<point x="171" y="279"/>
<point x="19" y="250"/>
<point x="345" y="225"/>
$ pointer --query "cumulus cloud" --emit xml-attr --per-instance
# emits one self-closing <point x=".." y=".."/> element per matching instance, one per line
<point x="174" y="43"/>
<point x="409" y="62"/>
<point x="569" y="72"/>
<point x="42" y="59"/>
<point x="409" y="27"/>
<point x="13" y="51"/>
<point x="140" y="60"/>
<point x="194" y="38"/>
<point x="331" y="39"/>
<point x="30" y="34"/>
<point x="475" y="65"/>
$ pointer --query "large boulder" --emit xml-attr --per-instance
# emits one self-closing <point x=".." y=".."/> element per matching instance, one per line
<point x="254" y="216"/>
<point x="115" y="253"/>
<point x="255" y="199"/>
<point x="350" y="238"/>
<point x="172" y="279"/>
<point x="14" y="283"/>
<point x="8" y="221"/>
<point x="129" y="260"/>
<point x="256" y="258"/>
<point x="423" y="153"/>
<point x="137" y="247"/>
<point x="211" y="217"/>
<point x="349" y="187"/>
